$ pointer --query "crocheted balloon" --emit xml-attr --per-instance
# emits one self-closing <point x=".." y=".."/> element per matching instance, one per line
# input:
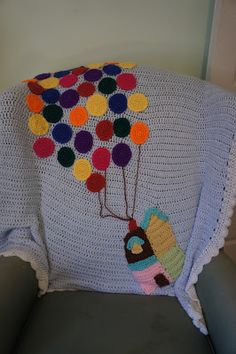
<point x="68" y="80"/>
<point x="78" y="116"/>
<point x="86" y="89"/>
<point x="121" y="154"/>
<point x="82" y="169"/>
<point x="83" y="141"/>
<point x="66" y="156"/>
<point x="96" y="182"/>
<point x="50" y="95"/>
<point x="101" y="159"/>
<point x="44" y="147"/>
<point x="69" y="98"/>
<point x="104" y="130"/>
<point x="139" y="133"/>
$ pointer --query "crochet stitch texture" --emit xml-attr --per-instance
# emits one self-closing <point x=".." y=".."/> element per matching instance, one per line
<point x="117" y="178"/>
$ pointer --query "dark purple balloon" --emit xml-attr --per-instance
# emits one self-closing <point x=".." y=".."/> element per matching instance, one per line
<point x="42" y="76"/>
<point x="50" y="95"/>
<point x="83" y="141"/>
<point x="118" y="103"/>
<point x="121" y="154"/>
<point x="69" y="98"/>
<point x="62" y="133"/>
<point x="112" y="69"/>
<point x="93" y="75"/>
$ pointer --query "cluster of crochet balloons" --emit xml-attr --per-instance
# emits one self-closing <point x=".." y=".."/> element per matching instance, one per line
<point x="107" y="87"/>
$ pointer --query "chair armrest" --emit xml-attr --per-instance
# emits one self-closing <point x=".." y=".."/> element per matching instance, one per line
<point x="18" y="289"/>
<point x="216" y="289"/>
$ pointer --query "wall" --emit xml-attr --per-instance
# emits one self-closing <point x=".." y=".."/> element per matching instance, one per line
<point x="43" y="35"/>
<point x="222" y="54"/>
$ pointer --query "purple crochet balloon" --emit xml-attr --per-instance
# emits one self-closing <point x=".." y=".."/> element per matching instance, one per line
<point x="121" y="154"/>
<point x="93" y="75"/>
<point x="69" y="98"/>
<point x="83" y="141"/>
<point x="42" y="76"/>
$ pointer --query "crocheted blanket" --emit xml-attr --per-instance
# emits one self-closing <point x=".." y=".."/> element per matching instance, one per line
<point x="117" y="178"/>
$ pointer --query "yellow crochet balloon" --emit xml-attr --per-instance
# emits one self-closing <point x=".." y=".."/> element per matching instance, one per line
<point x="51" y="82"/>
<point x="127" y="65"/>
<point x="137" y="102"/>
<point x="38" y="124"/>
<point x="96" y="105"/>
<point x="82" y="169"/>
<point x="95" y="65"/>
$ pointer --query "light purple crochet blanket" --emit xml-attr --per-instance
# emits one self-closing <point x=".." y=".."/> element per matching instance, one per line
<point x="117" y="178"/>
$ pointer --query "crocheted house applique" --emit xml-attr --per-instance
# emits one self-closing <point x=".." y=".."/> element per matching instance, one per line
<point x="57" y="118"/>
<point x="152" y="252"/>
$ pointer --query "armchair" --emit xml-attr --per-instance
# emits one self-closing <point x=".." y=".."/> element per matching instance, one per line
<point x="71" y="322"/>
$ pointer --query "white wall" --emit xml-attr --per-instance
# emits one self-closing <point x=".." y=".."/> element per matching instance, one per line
<point x="41" y="35"/>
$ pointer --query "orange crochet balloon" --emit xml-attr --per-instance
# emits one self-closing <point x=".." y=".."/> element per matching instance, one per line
<point x="34" y="102"/>
<point x="29" y="80"/>
<point x="78" y="116"/>
<point x="139" y="133"/>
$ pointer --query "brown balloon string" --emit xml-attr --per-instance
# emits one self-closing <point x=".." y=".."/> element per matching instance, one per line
<point x="125" y="194"/>
<point x="136" y="181"/>
<point x="100" y="202"/>
<point x="112" y="215"/>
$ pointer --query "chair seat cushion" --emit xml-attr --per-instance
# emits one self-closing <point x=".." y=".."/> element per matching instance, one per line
<point x="80" y="322"/>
